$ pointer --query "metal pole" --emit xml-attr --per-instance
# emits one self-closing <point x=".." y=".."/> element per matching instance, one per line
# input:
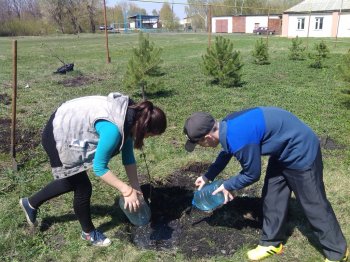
<point x="339" y="14"/>
<point x="268" y="27"/>
<point x="14" y="103"/>
<point x="209" y="26"/>
<point x="125" y="22"/>
<point x="106" y="33"/>
<point x="308" y="30"/>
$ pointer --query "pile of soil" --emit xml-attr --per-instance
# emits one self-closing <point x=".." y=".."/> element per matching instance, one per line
<point x="328" y="143"/>
<point x="5" y="99"/>
<point x="5" y="135"/>
<point x="78" y="81"/>
<point x="24" y="139"/>
<point x="176" y="225"/>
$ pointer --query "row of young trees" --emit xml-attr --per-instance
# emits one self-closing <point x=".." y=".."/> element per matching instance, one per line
<point x="224" y="65"/>
<point x="221" y="62"/>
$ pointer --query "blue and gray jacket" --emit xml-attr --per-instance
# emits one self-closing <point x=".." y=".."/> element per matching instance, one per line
<point x="248" y="134"/>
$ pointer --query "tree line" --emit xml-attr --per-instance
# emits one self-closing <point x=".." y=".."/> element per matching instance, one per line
<point x="40" y="17"/>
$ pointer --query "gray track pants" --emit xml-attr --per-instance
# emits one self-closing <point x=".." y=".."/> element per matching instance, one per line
<point x="309" y="190"/>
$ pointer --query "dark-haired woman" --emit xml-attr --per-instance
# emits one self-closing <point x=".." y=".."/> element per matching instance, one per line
<point x="86" y="133"/>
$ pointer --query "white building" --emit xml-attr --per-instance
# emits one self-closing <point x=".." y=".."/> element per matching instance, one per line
<point x="317" y="18"/>
<point x="245" y="23"/>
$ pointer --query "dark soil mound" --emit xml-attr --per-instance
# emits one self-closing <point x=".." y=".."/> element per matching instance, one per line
<point x="175" y="224"/>
<point x="78" y="81"/>
<point x="5" y="99"/>
<point x="25" y="139"/>
<point x="330" y="144"/>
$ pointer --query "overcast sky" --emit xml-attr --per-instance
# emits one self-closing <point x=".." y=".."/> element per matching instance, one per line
<point x="179" y="8"/>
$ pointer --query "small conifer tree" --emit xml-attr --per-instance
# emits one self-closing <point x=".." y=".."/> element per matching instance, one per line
<point x="144" y="63"/>
<point x="344" y="67"/>
<point x="261" y="53"/>
<point x="297" y="50"/>
<point x="223" y="63"/>
<point x="320" y="54"/>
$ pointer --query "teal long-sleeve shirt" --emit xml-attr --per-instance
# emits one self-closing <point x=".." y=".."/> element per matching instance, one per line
<point x="109" y="139"/>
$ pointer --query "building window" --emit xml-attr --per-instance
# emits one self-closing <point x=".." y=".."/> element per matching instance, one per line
<point x="319" y="23"/>
<point x="301" y="23"/>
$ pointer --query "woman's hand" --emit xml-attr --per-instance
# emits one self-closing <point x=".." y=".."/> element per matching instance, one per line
<point x="131" y="200"/>
<point x="200" y="182"/>
<point x="227" y="194"/>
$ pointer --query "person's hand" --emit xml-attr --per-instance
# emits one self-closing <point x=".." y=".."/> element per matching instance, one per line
<point x="200" y="182"/>
<point x="131" y="200"/>
<point x="227" y="194"/>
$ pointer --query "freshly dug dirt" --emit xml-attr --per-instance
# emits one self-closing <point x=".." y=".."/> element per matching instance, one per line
<point x="78" y="81"/>
<point x="176" y="225"/>
<point x="25" y="140"/>
<point x="5" y="99"/>
<point x="330" y="144"/>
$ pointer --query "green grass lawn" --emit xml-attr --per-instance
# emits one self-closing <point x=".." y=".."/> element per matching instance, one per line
<point x="317" y="97"/>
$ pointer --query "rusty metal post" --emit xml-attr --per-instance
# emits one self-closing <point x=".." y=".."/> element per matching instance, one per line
<point x="209" y="26"/>
<point x="339" y="14"/>
<point x="14" y="103"/>
<point x="106" y="32"/>
<point x="308" y="31"/>
<point x="268" y="27"/>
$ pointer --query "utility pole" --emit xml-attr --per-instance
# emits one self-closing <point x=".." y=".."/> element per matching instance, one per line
<point x="106" y="32"/>
<point x="339" y="14"/>
<point x="14" y="105"/>
<point x="268" y="26"/>
<point x="172" y="15"/>
<point x="209" y="25"/>
<point x="308" y="28"/>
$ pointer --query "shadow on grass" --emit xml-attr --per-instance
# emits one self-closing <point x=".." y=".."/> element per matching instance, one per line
<point x="240" y="213"/>
<point x="155" y="94"/>
<point x="116" y="215"/>
<point x="215" y="82"/>
<point x="346" y="103"/>
<point x="160" y="94"/>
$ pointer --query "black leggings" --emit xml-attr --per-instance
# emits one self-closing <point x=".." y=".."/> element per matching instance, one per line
<point x="79" y="183"/>
<point x="81" y="186"/>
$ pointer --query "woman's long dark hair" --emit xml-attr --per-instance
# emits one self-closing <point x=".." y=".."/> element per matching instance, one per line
<point x="148" y="119"/>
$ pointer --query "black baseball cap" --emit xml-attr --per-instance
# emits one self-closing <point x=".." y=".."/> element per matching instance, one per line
<point x="197" y="126"/>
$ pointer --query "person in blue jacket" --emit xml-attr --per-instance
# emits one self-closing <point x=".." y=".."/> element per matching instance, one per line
<point x="295" y="164"/>
<point x="86" y="133"/>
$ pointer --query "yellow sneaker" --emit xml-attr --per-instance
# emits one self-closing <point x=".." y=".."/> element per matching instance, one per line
<point x="344" y="259"/>
<point x="261" y="252"/>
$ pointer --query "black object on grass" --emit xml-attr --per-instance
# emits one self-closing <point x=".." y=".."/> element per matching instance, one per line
<point x="63" y="69"/>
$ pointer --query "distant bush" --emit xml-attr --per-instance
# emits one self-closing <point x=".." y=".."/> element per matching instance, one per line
<point x="261" y="52"/>
<point x="297" y="50"/>
<point x="143" y="64"/>
<point x="17" y="27"/>
<point x="320" y="54"/>
<point x="223" y="63"/>
<point x="344" y="67"/>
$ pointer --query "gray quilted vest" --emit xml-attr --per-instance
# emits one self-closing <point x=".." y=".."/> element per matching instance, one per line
<point x="74" y="129"/>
